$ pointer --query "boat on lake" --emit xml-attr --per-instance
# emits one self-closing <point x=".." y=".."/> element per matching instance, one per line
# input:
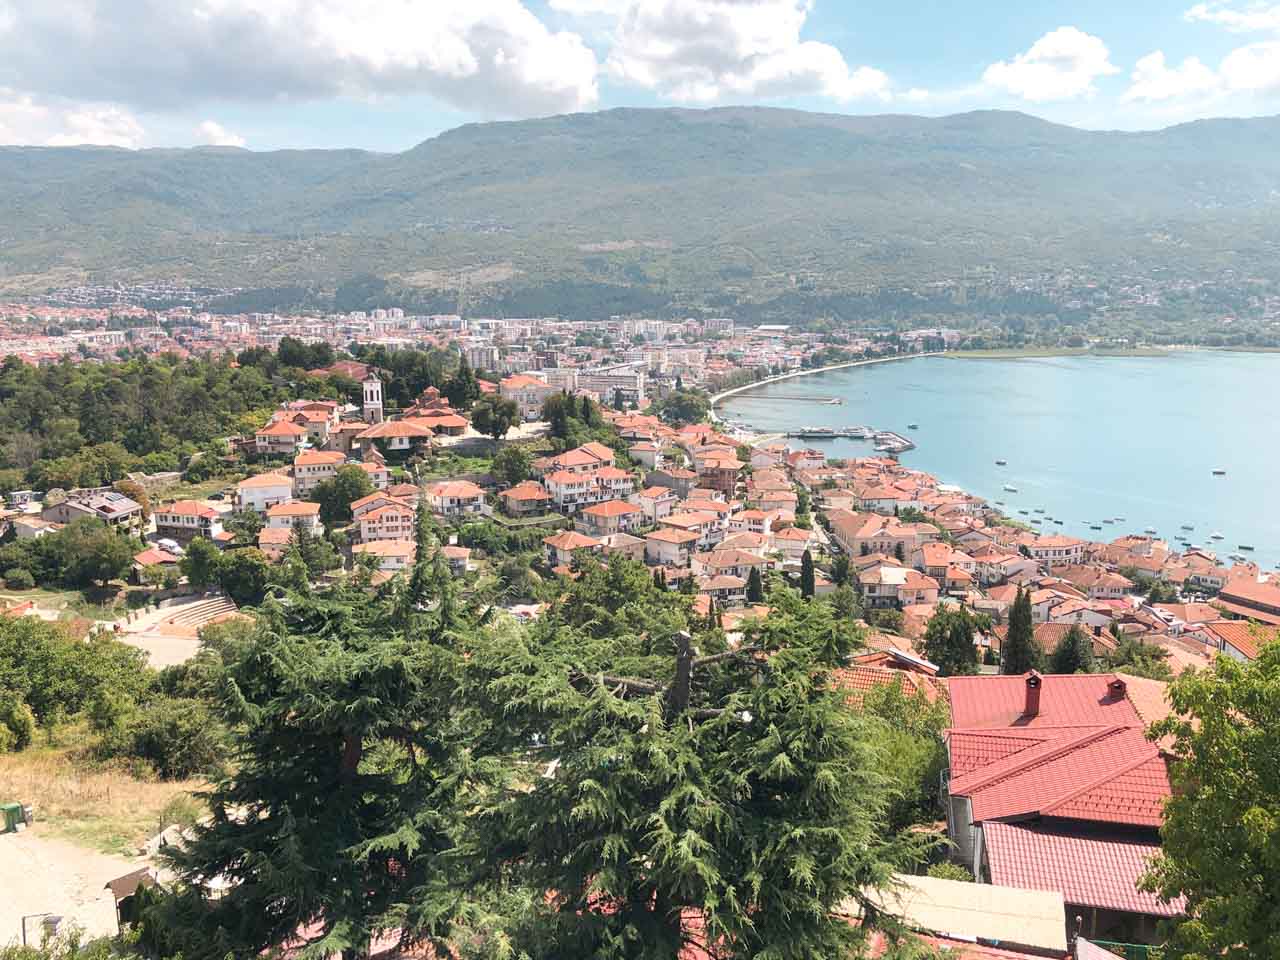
<point x="1108" y="521"/>
<point x="1245" y="546"/>
<point x="1095" y="526"/>
<point x="1188" y="526"/>
<point x="1010" y="488"/>
<point x="1058" y="522"/>
<point x="1002" y="463"/>
<point x="1215" y="535"/>
<point x="913" y="426"/>
<point x="1151" y="531"/>
<point x="1219" y="472"/>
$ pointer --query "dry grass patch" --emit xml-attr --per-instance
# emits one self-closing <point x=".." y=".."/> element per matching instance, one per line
<point x="103" y="807"/>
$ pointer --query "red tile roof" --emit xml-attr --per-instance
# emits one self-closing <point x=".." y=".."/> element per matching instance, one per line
<point x="463" y="489"/>
<point x="1089" y="870"/>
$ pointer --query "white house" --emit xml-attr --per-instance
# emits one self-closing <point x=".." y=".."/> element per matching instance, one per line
<point x="263" y="491"/>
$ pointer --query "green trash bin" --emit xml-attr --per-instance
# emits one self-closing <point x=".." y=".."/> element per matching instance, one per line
<point x="10" y="816"/>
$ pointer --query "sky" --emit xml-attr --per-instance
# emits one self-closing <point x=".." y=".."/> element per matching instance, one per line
<point x="387" y="74"/>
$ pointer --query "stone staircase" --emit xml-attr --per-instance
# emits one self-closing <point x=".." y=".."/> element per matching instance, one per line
<point x="196" y="615"/>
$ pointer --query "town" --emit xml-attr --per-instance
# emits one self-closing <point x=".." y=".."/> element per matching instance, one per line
<point x="1050" y="654"/>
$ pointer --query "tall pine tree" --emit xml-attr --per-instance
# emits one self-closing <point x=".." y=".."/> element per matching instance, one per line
<point x="807" y="578"/>
<point x="1021" y="652"/>
<point x="755" y="586"/>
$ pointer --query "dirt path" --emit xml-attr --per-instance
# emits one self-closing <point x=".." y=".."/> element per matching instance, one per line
<point x="41" y="874"/>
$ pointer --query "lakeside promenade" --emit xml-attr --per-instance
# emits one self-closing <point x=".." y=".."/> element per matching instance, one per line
<point x="724" y="394"/>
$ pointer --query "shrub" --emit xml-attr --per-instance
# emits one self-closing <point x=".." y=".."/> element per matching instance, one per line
<point x="949" y="871"/>
<point x="177" y="736"/>
<point x="17" y="718"/>
<point x="17" y="578"/>
<point x="183" y="810"/>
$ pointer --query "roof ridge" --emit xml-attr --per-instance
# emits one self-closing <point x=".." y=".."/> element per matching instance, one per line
<point x="1055" y="751"/>
<point x="1106" y="777"/>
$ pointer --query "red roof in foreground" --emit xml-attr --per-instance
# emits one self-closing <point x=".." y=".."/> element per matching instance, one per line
<point x="1101" y="774"/>
<point x="1088" y="870"/>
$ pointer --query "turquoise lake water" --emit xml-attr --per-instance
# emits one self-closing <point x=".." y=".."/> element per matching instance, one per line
<point x="1086" y="438"/>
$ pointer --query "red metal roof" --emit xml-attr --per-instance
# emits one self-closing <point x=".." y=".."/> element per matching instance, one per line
<point x="1102" y="774"/>
<point x="1074" y="700"/>
<point x="1088" y="870"/>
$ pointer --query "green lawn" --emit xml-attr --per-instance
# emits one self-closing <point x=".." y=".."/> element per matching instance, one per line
<point x="68" y="604"/>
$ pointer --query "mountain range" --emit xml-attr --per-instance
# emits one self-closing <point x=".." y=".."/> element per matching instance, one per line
<point x="687" y="208"/>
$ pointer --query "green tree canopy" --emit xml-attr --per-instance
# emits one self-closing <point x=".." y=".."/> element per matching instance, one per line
<point x="1074" y="653"/>
<point x="948" y="641"/>
<point x="685" y="779"/>
<point x="512" y="464"/>
<point x="342" y="808"/>
<point x="494" y="416"/>
<point x="200" y="563"/>
<point x="1220" y="843"/>
<point x="336" y="494"/>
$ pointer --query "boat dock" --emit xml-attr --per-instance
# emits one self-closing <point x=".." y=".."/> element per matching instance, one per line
<point x="889" y="442"/>
<point x="886" y="441"/>
<point x="833" y="433"/>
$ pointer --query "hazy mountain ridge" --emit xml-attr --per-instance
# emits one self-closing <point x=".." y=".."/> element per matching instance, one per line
<point x="675" y="201"/>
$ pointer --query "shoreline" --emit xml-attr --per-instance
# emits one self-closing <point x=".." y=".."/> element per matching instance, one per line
<point x="734" y="391"/>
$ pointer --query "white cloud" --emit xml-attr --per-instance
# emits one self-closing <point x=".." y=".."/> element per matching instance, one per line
<point x="1061" y="65"/>
<point x="25" y="119"/>
<point x="701" y="51"/>
<point x="1253" y="68"/>
<point x="106" y="126"/>
<point x="1154" y="80"/>
<point x="580" y="8"/>
<point x="215" y="133"/>
<point x="494" y="57"/>
<point x="1252" y="18"/>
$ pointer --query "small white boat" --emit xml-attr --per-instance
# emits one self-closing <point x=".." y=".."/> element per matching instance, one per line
<point x="1215" y="535"/>
<point x="1151" y="531"/>
<point x="1245" y="546"/>
<point x="1010" y="488"/>
<point x="1002" y="463"/>
<point x="1188" y="526"/>
<point x="1219" y="472"/>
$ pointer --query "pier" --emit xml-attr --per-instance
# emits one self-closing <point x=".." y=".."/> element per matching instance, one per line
<point x="833" y="433"/>
<point x="886" y="441"/>
<point x="829" y="401"/>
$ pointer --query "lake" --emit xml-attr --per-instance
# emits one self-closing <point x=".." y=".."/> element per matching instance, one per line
<point x="1086" y="438"/>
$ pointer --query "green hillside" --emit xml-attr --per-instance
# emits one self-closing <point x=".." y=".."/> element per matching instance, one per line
<point x="655" y="206"/>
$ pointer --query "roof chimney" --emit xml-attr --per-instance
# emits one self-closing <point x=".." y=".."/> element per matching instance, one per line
<point x="1032" y="706"/>
<point x="1117" y="688"/>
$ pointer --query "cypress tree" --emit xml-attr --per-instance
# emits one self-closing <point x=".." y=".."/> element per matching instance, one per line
<point x="755" y="586"/>
<point x="1021" y="652"/>
<point x="807" y="578"/>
